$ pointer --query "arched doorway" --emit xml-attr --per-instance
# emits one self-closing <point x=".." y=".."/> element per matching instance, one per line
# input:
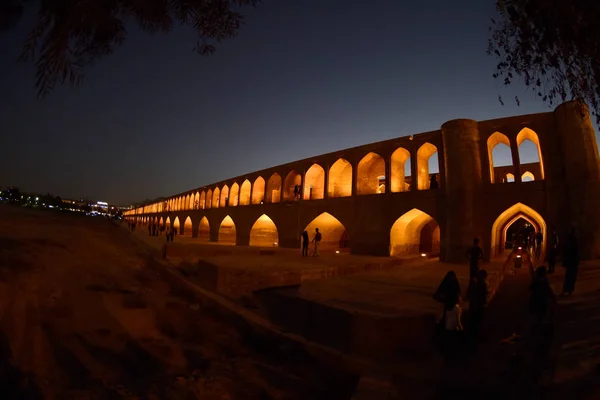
<point x="427" y="164"/>
<point x="499" y="155"/>
<point x="314" y="183"/>
<point x="215" y="198"/>
<point x="370" y="174"/>
<point x="187" y="227"/>
<point x="273" y="194"/>
<point x="333" y="233"/>
<point x="234" y="195"/>
<point x="291" y="180"/>
<point x="510" y="216"/>
<point x="258" y="191"/>
<point x="204" y="230"/>
<point x="224" y="196"/>
<point x="227" y="232"/>
<point x="176" y="225"/>
<point x="264" y="233"/>
<point x="530" y="151"/>
<point x="245" y="193"/>
<point x="340" y="179"/>
<point x="168" y="222"/>
<point x="400" y="170"/>
<point x="415" y="232"/>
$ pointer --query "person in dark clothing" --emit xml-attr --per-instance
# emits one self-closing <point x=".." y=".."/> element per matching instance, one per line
<point x="448" y="293"/>
<point x="296" y="191"/>
<point x="541" y="295"/>
<point x="552" y="250"/>
<point x="149" y="229"/>
<point x="477" y="303"/>
<point x="305" y="243"/>
<point x="539" y="238"/>
<point x="474" y="254"/>
<point x="433" y="183"/>
<point x="571" y="262"/>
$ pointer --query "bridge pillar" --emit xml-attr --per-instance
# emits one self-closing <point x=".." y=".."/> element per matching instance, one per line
<point x="582" y="176"/>
<point x="463" y="189"/>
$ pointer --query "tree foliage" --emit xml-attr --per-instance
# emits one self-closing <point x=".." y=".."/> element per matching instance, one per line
<point x="553" y="46"/>
<point x="70" y="35"/>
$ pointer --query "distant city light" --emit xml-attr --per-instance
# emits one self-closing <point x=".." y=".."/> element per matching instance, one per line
<point x="423" y="255"/>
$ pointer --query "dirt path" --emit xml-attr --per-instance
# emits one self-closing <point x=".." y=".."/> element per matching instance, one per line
<point x="82" y="317"/>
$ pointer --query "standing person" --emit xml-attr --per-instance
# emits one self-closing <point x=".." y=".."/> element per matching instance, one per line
<point x="173" y="233"/>
<point x="305" y="242"/>
<point x="477" y="304"/>
<point x="316" y="240"/>
<point x="474" y="254"/>
<point x="295" y="192"/>
<point x="149" y="229"/>
<point x="541" y="297"/>
<point x="570" y="257"/>
<point x="539" y="238"/>
<point x="448" y="293"/>
<point x="552" y="250"/>
<point x="168" y="233"/>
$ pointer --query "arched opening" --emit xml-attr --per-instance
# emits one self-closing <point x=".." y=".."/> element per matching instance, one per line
<point x="530" y="151"/>
<point x="161" y="222"/>
<point x="168" y="222"/>
<point x="340" y="179"/>
<point x="415" y="232"/>
<point x="400" y="171"/>
<point x="245" y="193"/>
<point x="427" y="165"/>
<point x="499" y="155"/>
<point x="370" y="175"/>
<point x="527" y="177"/>
<point x="204" y="230"/>
<point x="176" y="224"/>
<point x="510" y="216"/>
<point x="215" y="198"/>
<point x="264" y="233"/>
<point x="274" y="189"/>
<point x="196" y="201"/>
<point x="234" y="195"/>
<point x="258" y="191"/>
<point x="187" y="227"/>
<point x="510" y="177"/>
<point x="291" y="180"/>
<point x="227" y="234"/>
<point x="203" y="200"/>
<point x="224" y="196"/>
<point x="333" y="234"/>
<point x="314" y="183"/>
<point x="209" y="196"/>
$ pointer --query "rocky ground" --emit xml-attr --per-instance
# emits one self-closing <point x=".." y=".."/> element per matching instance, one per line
<point x="82" y="317"/>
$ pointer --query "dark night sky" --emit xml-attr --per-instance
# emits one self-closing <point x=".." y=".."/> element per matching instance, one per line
<point x="302" y="78"/>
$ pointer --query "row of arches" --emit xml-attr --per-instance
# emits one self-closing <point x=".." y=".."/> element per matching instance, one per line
<point x="415" y="232"/>
<point x="370" y="178"/>
<point x="521" y="157"/>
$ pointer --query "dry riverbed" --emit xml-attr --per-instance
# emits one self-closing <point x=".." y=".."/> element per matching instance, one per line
<point x="82" y="317"/>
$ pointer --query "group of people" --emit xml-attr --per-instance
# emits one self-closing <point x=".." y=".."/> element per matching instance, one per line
<point x="155" y="229"/>
<point x="541" y="295"/>
<point x="306" y="242"/>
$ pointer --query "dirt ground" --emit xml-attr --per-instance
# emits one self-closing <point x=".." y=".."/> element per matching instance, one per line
<point x="82" y="317"/>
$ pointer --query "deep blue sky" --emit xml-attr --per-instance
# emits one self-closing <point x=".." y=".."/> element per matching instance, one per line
<point x="302" y="78"/>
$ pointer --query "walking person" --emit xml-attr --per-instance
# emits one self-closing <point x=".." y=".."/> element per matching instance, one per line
<point x="305" y="242"/>
<point x="552" y="251"/>
<point x="316" y="240"/>
<point x="474" y="254"/>
<point x="570" y="257"/>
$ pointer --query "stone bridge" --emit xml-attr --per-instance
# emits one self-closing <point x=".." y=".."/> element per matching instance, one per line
<point x="382" y="199"/>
